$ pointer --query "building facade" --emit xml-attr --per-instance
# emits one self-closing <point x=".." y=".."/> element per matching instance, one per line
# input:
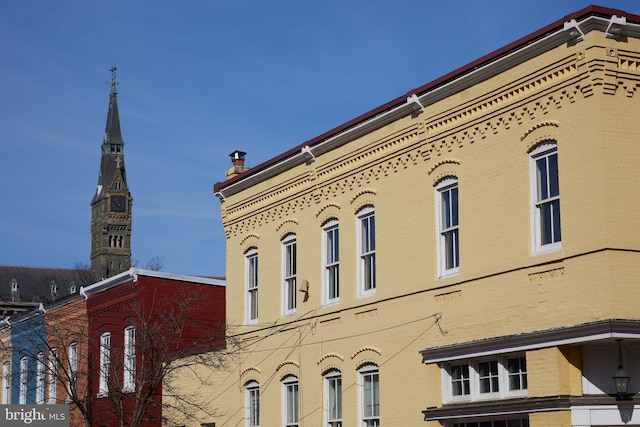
<point x="111" y="219"/>
<point x="464" y="255"/>
<point x="106" y="350"/>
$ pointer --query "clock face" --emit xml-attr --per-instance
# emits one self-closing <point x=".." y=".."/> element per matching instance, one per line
<point x="118" y="203"/>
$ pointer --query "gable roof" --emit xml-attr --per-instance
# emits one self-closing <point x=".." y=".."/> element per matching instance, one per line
<point x="554" y="34"/>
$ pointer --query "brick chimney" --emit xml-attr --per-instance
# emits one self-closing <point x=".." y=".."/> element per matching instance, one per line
<point x="237" y="158"/>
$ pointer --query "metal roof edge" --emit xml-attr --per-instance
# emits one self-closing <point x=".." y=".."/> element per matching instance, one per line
<point x="375" y="118"/>
<point x="562" y="335"/>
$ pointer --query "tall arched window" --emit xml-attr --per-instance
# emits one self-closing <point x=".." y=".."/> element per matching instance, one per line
<point x="129" y="358"/>
<point x="545" y="197"/>
<point x="289" y="273"/>
<point x="251" y="262"/>
<point x="448" y="227"/>
<point x="291" y="403"/>
<point x="366" y="251"/>
<point x="331" y="262"/>
<point x="252" y="390"/>
<point x="105" y="364"/>
<point x="369" y="383"/>
<point x="333" y="398"/>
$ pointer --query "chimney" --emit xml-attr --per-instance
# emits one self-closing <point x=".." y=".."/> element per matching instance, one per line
<point x="237" y="158"/>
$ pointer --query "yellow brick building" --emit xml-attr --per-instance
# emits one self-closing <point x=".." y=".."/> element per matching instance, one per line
<point x="413" y="266"/>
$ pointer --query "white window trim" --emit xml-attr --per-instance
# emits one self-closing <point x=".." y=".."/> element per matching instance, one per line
<point x="41" y="381"/>
<point x="537" y="247"/>
<point x="6" y="383"/>
<point x="474" y="380"/>
<point x="129" y="374"/>
<point x="24" y="378"/>
<point x="251" y="287"/>
<point x="53" y="376"/>
<point x="105" y="364"/>
<point x="367" y="370"/>
<point x="328" y="265"/>
<point x="288" y="382"/>
<point x="250" y="388"/>
<point x="287" y="290"/>
<point x="443" y="272"/>
<point x="362" y="215"/>
<point x="331" y="376"/>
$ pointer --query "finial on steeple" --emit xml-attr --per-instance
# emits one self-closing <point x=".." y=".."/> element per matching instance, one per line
<point x="113" y="80"/>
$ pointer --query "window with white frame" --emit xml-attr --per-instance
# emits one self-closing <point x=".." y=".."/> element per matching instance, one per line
<point x="73" y="360"/>
<point x="6" y="383"/>
<point x="129" y="358"/>
<point x="24" y="378"/>
<point x="251" y="260"/>
<point x="486" y="378"/>
<point x="105" y="364"/>
<point x="53" y="375"/>
<point x="73" y="369"/>
<point x="517" y="373"/>
<point x="291" y="403"/>
<point x="333" y="398"/>
<point x="252" y="392"/>
<point x="545" y="191"/>
<point x="367" y="251"/>
<point x="448" y="227"/>
<point x="369" y="383"/>
<point x="331" y="262"/>
<point x="289" y="256"/>
<point x="41" y="378"/>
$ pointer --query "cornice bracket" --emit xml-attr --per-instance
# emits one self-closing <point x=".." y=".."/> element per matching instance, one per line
<point x="574" y="30"/>
<point x="306" y="151"/>
<point x="614" y="29"/>
<point x="417" y="105"/>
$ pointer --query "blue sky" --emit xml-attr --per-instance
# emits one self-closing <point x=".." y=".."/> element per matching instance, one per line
<point x="197" y="80"/>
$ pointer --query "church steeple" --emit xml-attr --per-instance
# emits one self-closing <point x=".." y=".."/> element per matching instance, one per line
<point x="111" y="204"/>
<point x="113" y="143"/>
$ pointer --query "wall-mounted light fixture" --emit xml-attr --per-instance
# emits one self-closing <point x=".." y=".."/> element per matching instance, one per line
<point x="304" y="286"/>
<point x="621" y="378"/>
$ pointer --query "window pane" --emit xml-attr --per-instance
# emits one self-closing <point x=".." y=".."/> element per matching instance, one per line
<point x="553" y="175"/>
<point x="335" y="399"/>
<point x="541" y="174"/>
<point x="454" y="206"/>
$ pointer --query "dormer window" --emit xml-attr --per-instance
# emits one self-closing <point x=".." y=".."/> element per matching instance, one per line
<point x="53" y="288"/>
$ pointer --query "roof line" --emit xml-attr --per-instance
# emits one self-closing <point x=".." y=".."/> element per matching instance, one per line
<point x="434" y="84"/>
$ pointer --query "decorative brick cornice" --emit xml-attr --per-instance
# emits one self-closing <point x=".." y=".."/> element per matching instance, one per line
<point x="525" y="103"/>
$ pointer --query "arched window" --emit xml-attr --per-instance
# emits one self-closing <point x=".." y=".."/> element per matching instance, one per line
<point x="251" y="278"/>
<point x="252" y="390"/>
<point x="289" y="267"/>
<point x="129" y="358"/>
<point x="369" y="385"/>
<point x="366" y="251"/>
<point x="290" y="399"/>
<point x="331" y="262"/>
<point x="333" y="398"/>
<point x="105" y="364"/>
<point x="545" y="197"/>
<point x="448" y="227"/>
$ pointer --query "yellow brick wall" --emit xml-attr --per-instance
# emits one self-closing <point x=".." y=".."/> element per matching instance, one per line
<point x="482" y="135"/>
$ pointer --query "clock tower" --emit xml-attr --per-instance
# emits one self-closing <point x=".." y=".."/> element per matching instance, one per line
<point x="111" y="203"/>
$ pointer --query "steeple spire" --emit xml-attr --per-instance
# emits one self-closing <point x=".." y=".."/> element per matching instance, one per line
<point x="111" y="204"/>
<point x="113" y="142"/>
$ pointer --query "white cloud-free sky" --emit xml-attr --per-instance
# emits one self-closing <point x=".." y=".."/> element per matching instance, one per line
<point x="197" y="80"/>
